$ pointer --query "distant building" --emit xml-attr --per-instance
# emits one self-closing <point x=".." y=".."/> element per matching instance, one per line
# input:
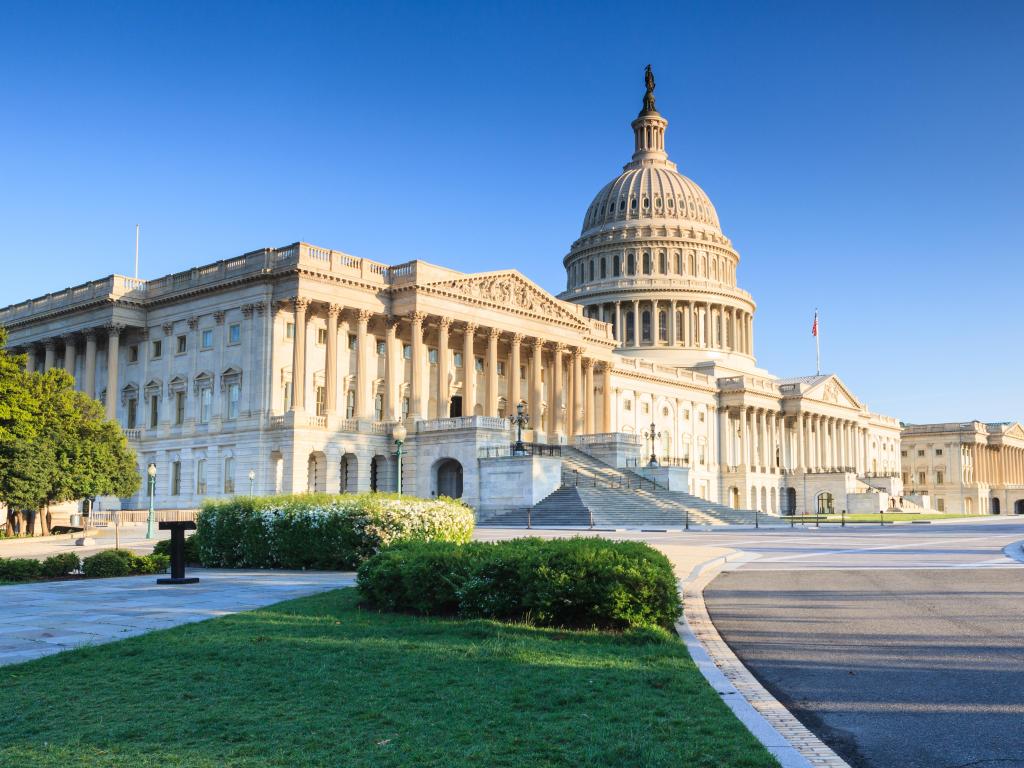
<point x="970" y="466"/>
<point x="295" y="363"/>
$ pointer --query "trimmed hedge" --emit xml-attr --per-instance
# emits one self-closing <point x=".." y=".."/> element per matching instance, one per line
<point x="64" y="564"/>
<point x="576" y="583"/>
<point x="20" y="569"/>
<point x="163" y="547"/>
<point x="121" y="562"/>
<point x="321" y="531"/>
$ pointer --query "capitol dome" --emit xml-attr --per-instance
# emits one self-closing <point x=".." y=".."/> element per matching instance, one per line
<point x="652" y="261"/>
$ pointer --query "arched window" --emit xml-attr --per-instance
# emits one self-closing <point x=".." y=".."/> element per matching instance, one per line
<point x="616" y="270"/>
<point x="630" y="327"/>
<point x="679" y="325"/>
<point x="591" y="269"/>
<point x="679" y="263"/>
<point x="662" y="326"/>
<point x="647" y="263"/>
<point x="645" y="322"/>
<point x="603" y="270"/>
<point x="693" y="264"/>
<point x="630" y="264"/>
<point x="662" y="263"/>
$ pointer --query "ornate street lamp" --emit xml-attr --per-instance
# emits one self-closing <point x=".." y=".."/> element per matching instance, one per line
<point x="398" y="434"/>
<point x="151" y="471"/>
<point x="652" y="435"/>
<point x="252" y="480"/>
<point x="520" y="420"/>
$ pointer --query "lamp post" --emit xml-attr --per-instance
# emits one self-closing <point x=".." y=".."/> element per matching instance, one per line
<point x="252" y="480"/>
<point x="652" y="435"/>
<point x="398" y="434"/>
<point x="520" y="420"/>
<point x="151" y="471"/>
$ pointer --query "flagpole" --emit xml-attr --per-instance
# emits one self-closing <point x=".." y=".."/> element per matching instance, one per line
<point x="817" y="341"/>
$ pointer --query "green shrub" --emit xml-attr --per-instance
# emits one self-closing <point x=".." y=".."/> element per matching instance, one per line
<point x="60" y="565"/>
<point x="163" y="547"/>
<point x="321" y="531"/>
<point x="121" y="562"/>
<point x="20" y="569"/>
<point x="581" y="582"/>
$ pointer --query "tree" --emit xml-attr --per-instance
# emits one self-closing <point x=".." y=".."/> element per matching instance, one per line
<point x="19" y="471"/>
<point x="70" y="452"/>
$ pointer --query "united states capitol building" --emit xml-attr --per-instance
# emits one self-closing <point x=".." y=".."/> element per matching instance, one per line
<point x="287" y="369"/>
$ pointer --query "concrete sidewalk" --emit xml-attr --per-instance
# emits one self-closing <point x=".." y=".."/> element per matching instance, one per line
<point x="40" y="619"/>
<point x="128" y="536"/>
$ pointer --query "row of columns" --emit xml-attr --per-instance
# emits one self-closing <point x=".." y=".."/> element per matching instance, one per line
<point x="763" y="439"/>
<point x="697" y="325"/>
<point x="570" y="382"/>
<point x="995" y="465"/>
<point x="71" y="345"/>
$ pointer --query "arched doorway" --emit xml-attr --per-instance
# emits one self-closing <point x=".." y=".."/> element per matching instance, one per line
<point x="789" y="507"/>
<point x="455" y="408"/>
<point x="1018" y="507"/>
<point x="734" y="497"/>
<point x="449" y="479"/>
<point x="995" y="506"/>
<point x="826" y="503"/>
<point x="379" y="474"/>
<point x="316" y="473"/>
<point x="773" y="508"/>
<point x="969" y="506"/>
<point x="348" y="473"/>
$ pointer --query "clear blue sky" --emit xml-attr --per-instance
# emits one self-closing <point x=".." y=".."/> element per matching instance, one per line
<point x="864" y="157"/>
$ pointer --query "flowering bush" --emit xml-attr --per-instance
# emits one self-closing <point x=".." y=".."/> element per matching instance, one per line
<point x="582" y="582"/>
<point x="322" y="531"/>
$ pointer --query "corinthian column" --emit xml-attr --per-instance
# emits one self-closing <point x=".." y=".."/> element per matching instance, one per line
<point x="416" y="383"/>
<point x="70" y="353"/>
<point x="113" y="347"/>
<point x="392" y="377"/>
<point x="577" y="391"/>
<point x="299" y="355"/>
<point x="514" y="395"/>
<point x="536" y="385"/>
<point x="363" y="401"/>
<point x="491" y="407"/>
<point x="331" y="366"/>
<point x="559" y="391"/>
<point x="588" y="389"/>
<point x="468" y="371"/>
<point x="90" y="363"/>
<point x="443" y="392"/>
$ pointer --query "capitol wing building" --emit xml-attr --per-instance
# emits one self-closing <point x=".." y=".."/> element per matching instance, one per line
<point x="287" y="369"/>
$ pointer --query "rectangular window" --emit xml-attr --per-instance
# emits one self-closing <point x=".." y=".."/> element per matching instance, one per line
<point x="289" y="330"/>
<point x="205" y="405"/>
<point x="321" y="401"/>
<point x="939" y="478"/>
<point x="154" y="411"/>
<point x="457" y="358"/>
<point x="903" y="454"/>
<point x="234" y="395"/>
<point x="940" y="505"/>
<point x="350" y="404"/>
<point x="920" y="478"/>
<point x="479" y="365"/>
<point x="522" y="372"/>
<point x="920" y="453"/>
<point x="501" y="368"/>
<point x="353" y="342"/>
<point x="201" y="477"/>
<point x="703" y="454"/>
<point x="321" y="336"/>
<point x="432" y="356"/>
<point x="179" y="408"/>
<point x="182" y="344"/>
<point x="627" y="405"/>
<point x="157" y="349"/>
<point x="207" y="339"/>
<point x="686" y="414"/>
<point x="407" y="351"/>
<point x="700" y="416"/>
<point x="133" y="407"/>
<point x="938" y="451"/>
<point x="175" y="478"/>
<point x="133" y="353"/>
<point x="287" y="395"/>
<point x="229" y="474"/>
<point x="378" y="407"/>
<point x="235" y="333"/>
<point x="382" y="348"/>
<point x="405" y="408"/>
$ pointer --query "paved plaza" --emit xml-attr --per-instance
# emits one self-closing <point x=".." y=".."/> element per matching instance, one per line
<point x="40" y="619"/>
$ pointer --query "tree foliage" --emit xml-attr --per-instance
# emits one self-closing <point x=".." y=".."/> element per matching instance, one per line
<point x="55" y="443"/>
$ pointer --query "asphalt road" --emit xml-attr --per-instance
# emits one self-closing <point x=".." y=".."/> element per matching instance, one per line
<point x="908" y="667"/>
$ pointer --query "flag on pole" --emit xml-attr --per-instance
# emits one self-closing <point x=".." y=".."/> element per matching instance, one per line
<point x="817" y="342"/>
<point x="814" y="328"/>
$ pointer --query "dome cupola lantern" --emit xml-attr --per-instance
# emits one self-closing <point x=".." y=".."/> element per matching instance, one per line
<point x="649" y="130"/>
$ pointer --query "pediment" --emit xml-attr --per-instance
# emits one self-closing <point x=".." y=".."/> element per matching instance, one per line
<point x="833" y="391"/>
<point x="508" y="290"/>
<point x="1016" y="431"/>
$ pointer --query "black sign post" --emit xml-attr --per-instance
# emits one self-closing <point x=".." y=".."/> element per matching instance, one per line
<point x="177" y="529"/>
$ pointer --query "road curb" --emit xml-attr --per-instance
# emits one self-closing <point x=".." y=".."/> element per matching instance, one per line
<point x="788" y="740"/>
<point x="1015" y="551"/>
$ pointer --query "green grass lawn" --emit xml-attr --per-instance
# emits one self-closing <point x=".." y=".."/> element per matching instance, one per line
<point x="319" y="682"/>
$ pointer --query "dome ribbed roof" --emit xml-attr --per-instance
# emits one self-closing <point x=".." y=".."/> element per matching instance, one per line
<point x="655" y="194"/>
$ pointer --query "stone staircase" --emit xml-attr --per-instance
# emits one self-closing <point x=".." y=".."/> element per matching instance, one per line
<point x="597" y="494"/>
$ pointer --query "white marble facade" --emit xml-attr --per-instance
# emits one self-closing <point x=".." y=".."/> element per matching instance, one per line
<point x="295" y="363"/>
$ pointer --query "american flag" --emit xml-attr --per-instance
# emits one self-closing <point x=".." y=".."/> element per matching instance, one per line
<point x="814" y="328"/>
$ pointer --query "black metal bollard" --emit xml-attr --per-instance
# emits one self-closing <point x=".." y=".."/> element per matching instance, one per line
<point x="177" y="529"/>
